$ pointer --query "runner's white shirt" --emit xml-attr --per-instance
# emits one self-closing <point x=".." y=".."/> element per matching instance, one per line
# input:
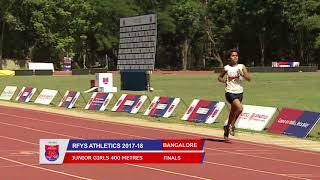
<point x="234" y="79"/>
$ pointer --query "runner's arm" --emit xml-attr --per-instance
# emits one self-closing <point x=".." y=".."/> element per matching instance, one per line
<point x="245" y="73"/>
<point x="221" y="77"/>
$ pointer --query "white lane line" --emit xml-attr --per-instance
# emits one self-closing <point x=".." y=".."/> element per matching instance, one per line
<point x="212" y="149"/>
<point x="164" y="130"/>
<point x="32" y="129"/>
<point x="253" y="150"/>
<point x="13" y="166"/>
<point x="161" y="170"/>
<point x="76" y="126"/>
<point x="267" y="158"/>
<point x="212" y="163"/>
<point x="19" y="140"/>
<point x="45" y="169"/>
<point x="299" y="175"/>
<point x="255" y="170"/>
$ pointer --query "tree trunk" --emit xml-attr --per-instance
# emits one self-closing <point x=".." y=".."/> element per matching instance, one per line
<point x="1" y="39"/>
<point x="218" y="58"/>
<point x="301" y="46"/>
<point x="261" y="41"/>
<point x="212" y="49"/>
<point x="184" y="52"/>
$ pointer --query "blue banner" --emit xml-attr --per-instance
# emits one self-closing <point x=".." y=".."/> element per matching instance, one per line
<point x="303" y="124"/>
<point x="135" y="145"/>
<point x="114" y="145"/>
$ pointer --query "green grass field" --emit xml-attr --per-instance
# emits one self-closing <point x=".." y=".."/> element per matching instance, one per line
<point x="293" y="90"/>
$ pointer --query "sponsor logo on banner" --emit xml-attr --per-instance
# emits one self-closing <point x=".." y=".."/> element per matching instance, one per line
<point x="294" y="122"/>
<point x="105" y="80"/>
<point x="162" y="106"/>
<point x="46" y="96"/>
<point x="129" y="103"/>
<point x="8" y="92"/>
<point x="138" y="105"/>
<point x="254" y="117"/>
<point x="203" y="111"/>
<point x="69" y="99"/>
<point x="99" y="101"/>
<point x="26" y="94"/>
<point x="171" y="108"/>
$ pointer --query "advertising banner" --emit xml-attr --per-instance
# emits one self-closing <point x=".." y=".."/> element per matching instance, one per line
<point x="99" y="101"/>
<point x="203" y="111"/>
<point x="294" y="122"/>
<point x="69" y="99"/>
<point x="162" y="106"/>
<point x="130" y="103"/>
<point x="46" y="96"/>
<point x="255" y="117"/>
<point x="8" y="92"/>
<point x="26" y="94"/>
<point x="285" y="64"/>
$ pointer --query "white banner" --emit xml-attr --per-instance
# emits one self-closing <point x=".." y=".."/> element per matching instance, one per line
<point x="255" y="117"/>
<point x="46" y="96"/>
<point x="41" y="66"/>
<point x="8" y="92"/>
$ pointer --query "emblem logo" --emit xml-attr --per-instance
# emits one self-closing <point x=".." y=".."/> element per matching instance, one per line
<point x="52" y="152"/>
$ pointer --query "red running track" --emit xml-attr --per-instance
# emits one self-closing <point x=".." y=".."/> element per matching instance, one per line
<point x="21" y="129"/>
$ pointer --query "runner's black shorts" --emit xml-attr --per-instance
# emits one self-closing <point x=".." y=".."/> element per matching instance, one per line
<point x="231" y="97"/>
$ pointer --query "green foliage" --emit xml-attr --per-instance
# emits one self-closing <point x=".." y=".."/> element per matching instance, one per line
<point x="262" y="30"/>
<point x="313" y="24"/>
<point x="188" y="15"/>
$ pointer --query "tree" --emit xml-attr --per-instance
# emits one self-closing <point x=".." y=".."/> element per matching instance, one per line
<point x="59" y="26"/>
<point x="104" y="34"/>
<point x="6" y="18"/>
<point x="188" y="15"/>
<point x="219" y="21"/>
<point x="298" y="14"/>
